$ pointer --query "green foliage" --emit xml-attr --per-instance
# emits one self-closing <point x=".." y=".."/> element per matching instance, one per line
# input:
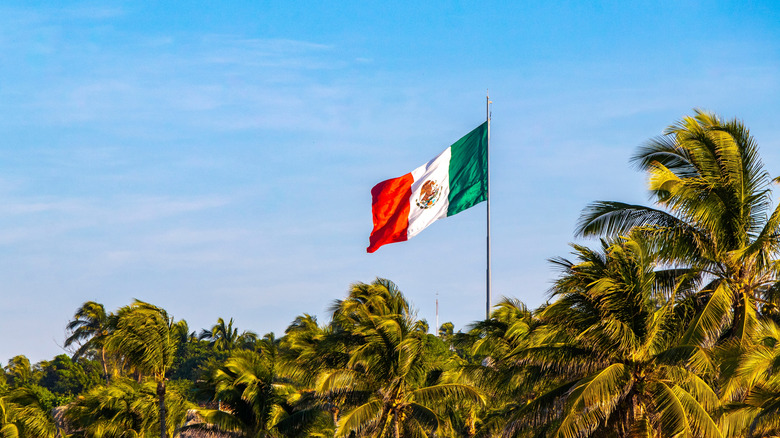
<point x="143" y="337"/>
<point x="437" y="353"/>
<point x="446" y="332"/>
<point x="66" y="377"/>
<point x="185" y="388"/>
<point x="254" y="397"/>
<point x="610" y="361"/>
<point x="192" y="359"/>
<point x="45" y="398"/>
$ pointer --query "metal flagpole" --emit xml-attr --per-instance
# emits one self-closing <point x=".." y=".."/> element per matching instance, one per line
<point x="437" y="314"/>
<point x="487" y="150"/>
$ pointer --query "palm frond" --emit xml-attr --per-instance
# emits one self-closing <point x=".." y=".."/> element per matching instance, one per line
<point x="438" y="393"/>
<point x="710" y="320"/>
<point x="673" y="419"/>
<point x="698" y="417"/>
<point x="592" y="400"/>
<point x="357" y="419"/>
<point x="610" y="218"/>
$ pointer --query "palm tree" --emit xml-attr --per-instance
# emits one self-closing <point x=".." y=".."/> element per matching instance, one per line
<point x="144" y="336"/>
<point x="487" y="349"/>
<point x="714" y="219"/>
<point x="224" y="337"/>
<point x="20" y="372"/>
<point x="182" y="332"/>
<point x="612" y="364"/>
<point x="446" y="332"/>
<point x="301" y="350"/>
<point x="252" y="396"/>
<point x="305" y="351"/>
<point x="382" y="297"/>
<point x="90" y="328"/>
<point x="390" y="381"/>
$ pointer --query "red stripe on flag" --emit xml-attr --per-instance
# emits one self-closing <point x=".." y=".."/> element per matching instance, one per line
<point x="390" y="208"/>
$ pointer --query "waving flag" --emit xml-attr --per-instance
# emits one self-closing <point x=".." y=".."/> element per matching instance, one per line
<point x="448" y="184"/>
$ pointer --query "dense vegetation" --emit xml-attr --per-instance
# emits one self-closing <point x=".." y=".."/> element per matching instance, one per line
<point x="668" y="327"/>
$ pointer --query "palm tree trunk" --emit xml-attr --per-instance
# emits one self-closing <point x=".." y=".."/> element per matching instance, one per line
<point x="471" y="427"/>
<point x="334" y="412"/>
<point x="161" y="403"/>
<point x="739" y="327"/>
<point x="396" y="427"/>
<point x="105" y="366"/>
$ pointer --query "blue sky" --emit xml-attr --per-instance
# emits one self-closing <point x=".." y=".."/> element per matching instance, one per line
<point x="216" y="158"/>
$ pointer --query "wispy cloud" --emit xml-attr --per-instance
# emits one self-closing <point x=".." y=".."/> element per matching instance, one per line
<point x="220" y="81"/>
<point x="61" y="215"/>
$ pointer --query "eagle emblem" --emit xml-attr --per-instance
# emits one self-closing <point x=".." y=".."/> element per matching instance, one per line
<point x="429" y="194"/>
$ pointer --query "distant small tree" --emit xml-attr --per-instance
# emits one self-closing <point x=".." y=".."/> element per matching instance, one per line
<point x="224" y="337"/>
<point x="64" y="376"/>
<point x="20" y="372"/>
<point x="446" y="332"/>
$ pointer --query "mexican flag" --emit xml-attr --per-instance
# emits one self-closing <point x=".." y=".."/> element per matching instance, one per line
<point x="448" y="184"/>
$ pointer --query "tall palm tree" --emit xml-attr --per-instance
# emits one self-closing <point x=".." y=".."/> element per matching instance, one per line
<point x="614" y="365"/>
<point x="389" y="381"/>
<point x="302" y="349"/>
<point x="381" y="297"/>
<point x="144" y="336"/>
<point x="714" y="218"/>
<point x="90" y="328"/>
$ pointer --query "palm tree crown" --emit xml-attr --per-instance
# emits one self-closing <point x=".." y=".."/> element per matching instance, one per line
<point x="389" y="382"/>
<point x="612" y="363"/>
<point x="715" y="219"/>
<point x="91" y="327"/>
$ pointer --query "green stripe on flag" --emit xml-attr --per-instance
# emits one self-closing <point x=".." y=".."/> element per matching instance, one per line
<point x="468" y="171"/>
